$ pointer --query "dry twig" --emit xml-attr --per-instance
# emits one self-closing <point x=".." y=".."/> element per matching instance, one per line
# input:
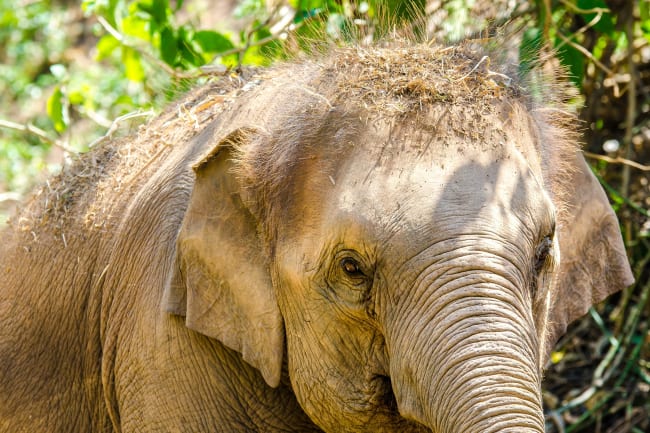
<point x="37" y="132"/>
<point x="617" y="160"/>
<point x="116" y="123"/>
<point x="578" y="10"/>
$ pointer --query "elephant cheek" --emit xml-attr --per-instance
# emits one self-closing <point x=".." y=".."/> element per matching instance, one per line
<point x="469" y="372"/>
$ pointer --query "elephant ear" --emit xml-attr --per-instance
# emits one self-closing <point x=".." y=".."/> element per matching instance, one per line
<point x="221" y="281"/>
<point x="593" y="263"/>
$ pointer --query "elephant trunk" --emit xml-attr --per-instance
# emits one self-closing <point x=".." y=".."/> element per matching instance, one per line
<point x="469" y="363"/>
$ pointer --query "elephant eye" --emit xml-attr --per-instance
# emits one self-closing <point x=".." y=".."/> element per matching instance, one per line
<point x="349" y="278"/>
<point x="351" y="267"/>
<point x="349" y="270"/>
<point x="542" y="253"/>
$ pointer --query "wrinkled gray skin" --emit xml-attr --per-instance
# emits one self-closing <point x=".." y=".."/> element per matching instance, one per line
<point x="298" y="262"/>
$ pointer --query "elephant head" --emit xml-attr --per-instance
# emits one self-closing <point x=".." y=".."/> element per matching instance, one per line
<point x="414" y="267"/>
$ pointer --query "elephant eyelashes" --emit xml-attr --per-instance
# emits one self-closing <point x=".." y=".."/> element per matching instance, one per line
<point x="542" y="253"/>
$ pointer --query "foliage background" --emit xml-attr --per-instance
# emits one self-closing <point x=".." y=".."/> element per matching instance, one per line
<point x="75" y="73"/>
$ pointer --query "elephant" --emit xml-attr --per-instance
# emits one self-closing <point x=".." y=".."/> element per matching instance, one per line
<point x="369" y="239"/>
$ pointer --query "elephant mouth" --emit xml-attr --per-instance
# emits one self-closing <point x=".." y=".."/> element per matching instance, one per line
<point x="386" y="402"/>
<point x="384" y="395"/>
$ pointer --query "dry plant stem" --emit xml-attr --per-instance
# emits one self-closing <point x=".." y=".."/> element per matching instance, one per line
<point x="578" y="10"/>
<point x="631" y="113"/>
<point x="249" y="35"/>
<point x="484" y="58"/>
<point x="241" y="51"/>
<point x="594" y="101"/>
<point x="617" y="160"/>
<point x="547" y="20"/>
<point x="37" y="132"/>
<point x="631" y="102"/>
<point x="586" y="53"/>
<point x="117" y="121"/>
<point x="97" y="118"/>
<point x="582" y="49"/>
<point x="616" y="193"/>
<point x="6" y="197"/>
<point x="633" y="318"/>
<point x="618" y="315"/>
<point x="557" y="421"/>
<point x="614" y="357"/>
<point x="498" y="24"/>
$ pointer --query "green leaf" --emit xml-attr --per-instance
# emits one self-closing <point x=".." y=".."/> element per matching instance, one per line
<point x="105" y="8"/>
<point x="254" y="56"/>
<point x="156" y="9"/>
<point x="168" y="46"/>
<point x="78" y="96"/>
<point x="56" y="110"/>
<point x="187" y="49"/>
<point x="88" y="6"/>
<point x="644" y="11"/>
<point x="212" y="42"/>
<point x="135" y="26"/>
<point x="125" y="100"/>
<point x="190" y="56"/>
<point x="97" y="6"/>
<point x="105" y="46"/>
<point x="161" y="11"/>
<point x="132" y="65"/>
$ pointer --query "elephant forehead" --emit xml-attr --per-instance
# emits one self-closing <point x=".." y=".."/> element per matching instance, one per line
<point x="460" y="192"/>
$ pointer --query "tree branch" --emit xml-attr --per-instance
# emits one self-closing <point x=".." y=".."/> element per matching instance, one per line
<point x="37" y="132"/>
<point x="617" y="160"/>
<point x="585" y="52"/>
<point x="631" y="100"/>
<point x="578" y="10"/>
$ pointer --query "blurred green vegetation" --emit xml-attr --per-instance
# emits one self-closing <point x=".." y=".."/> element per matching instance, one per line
<point x="70" y="73"/>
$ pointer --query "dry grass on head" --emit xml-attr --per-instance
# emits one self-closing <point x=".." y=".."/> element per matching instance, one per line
<point x="400" y="77"/>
